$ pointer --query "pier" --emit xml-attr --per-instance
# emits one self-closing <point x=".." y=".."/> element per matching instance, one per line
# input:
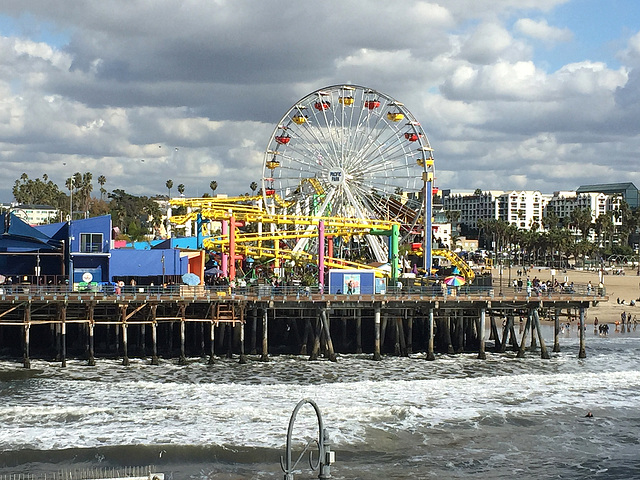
<point x="182" y="322"/>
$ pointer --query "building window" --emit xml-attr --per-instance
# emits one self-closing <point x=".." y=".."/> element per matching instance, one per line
<point x="91" y="243"/>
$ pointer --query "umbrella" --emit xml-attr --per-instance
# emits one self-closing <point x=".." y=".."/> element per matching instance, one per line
<point x="213" y="271"/>
<point x="454" y="280"/>
<point x="191" y="279"/>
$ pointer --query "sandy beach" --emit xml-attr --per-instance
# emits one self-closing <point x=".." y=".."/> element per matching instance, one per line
<point x="623" y="287"/>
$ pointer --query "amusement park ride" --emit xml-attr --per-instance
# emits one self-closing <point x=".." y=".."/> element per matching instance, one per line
<point x="345" y="163"/>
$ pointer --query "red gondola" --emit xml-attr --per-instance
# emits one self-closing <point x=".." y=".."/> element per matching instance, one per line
<point x="283" y="139"/>
<point x="412" y="137"/>
<point x="371" y="104"/>
<point x="322" y="105"/>
<point x="270" y="191"/>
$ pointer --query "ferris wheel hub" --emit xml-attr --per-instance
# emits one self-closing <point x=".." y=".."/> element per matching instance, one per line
<point x="336" y="176"/>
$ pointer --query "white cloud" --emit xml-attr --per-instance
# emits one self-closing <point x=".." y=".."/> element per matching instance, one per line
<point x="541" y="30"/>
<point x="213" y="78"/>
<point x="491" y="42"/>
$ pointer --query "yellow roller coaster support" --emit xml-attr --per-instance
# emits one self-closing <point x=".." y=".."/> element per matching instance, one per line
<point x="456" y="261"/>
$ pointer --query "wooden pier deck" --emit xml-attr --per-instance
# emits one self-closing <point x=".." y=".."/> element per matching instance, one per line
<point x="181" y="322"/>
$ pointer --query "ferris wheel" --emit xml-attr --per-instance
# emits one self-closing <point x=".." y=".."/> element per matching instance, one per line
<point x="348" y="151"/>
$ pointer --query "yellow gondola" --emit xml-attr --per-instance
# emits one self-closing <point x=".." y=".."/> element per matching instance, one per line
<point x="299" y="119"/>
<point x="346" y="100"/>
<point x="395" y="116"/>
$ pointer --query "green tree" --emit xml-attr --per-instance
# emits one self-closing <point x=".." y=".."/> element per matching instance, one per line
<point x="169" y="185"/>
<point x="580" y="218"/>
<point x="101" y="181"/>
<point x="628" y="222"/>
<point x="253" y="187"/>
<point x="181" y="189"/>
<point x="213" y="185"/>
<point x="550" y="220"/>
<point x="86" y="187"/>
<point x="39" y="192"/>
<point x="134" y="216"/>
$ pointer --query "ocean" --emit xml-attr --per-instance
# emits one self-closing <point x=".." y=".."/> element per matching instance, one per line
<point x="399" y="418"/>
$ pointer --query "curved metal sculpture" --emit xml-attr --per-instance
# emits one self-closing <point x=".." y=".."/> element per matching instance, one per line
<point x="325" y="455"/>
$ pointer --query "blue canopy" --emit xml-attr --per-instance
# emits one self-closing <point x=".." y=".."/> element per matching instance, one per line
<point x="17" y="236"/>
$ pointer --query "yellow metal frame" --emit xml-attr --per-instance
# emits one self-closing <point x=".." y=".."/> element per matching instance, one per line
<point x="220" y="209"/>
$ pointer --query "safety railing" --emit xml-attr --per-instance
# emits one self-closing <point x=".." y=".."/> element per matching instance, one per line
<point x="295" y="291"/>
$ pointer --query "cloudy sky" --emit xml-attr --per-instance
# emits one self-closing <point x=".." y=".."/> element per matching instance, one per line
<point x="513" y="94"/>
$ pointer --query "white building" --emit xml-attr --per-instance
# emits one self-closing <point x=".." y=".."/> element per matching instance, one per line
<point x="34" y="214"/>
<point x="523" y="209"/>
<point x="563" y="203"/>
<point x="473" y="206"/>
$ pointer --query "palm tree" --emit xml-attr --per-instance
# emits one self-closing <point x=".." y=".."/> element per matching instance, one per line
<point x="101" y="181"/>
<point x="169" y="185"/>
<point x="87" y="188"/>
<point x="253" y="187"/>
<point x="213" y="185"/>
<point x="550" y="220"/>
<point x="181" y="189"/>
<point x="628" y="222"/>
<point x="581" y="220"/>
<point x="453" y="216"/>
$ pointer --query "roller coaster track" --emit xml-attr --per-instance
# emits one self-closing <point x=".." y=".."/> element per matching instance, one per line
<point x="219" y="209"/>
<point x="456" y="261"/>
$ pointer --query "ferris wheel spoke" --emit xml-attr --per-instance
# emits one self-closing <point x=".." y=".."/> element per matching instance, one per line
<point x="378" y="150"/>
<point x="317" y="146"/>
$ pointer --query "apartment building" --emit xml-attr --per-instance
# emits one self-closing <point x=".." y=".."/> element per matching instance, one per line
<point x="524" y="209"/>
<point x="33" y="214"/>
<point x="472" y="205"/>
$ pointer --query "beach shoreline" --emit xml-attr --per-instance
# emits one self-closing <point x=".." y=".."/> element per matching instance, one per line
<point x="624" y="287"/>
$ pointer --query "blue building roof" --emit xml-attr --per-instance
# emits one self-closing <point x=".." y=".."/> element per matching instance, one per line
<point x="18" y="236"/>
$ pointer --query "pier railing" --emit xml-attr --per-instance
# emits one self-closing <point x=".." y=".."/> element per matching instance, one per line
<point x="110" y="473"/>
<point x="209" y="292"/>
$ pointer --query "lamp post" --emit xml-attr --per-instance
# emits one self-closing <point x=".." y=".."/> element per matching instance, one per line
<point x="70" y="236"/>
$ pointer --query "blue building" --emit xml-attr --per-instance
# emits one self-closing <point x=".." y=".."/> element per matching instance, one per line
<point x="48" y="253"/>
<point x="90" y="241"/>
<point x="25" y="251"/>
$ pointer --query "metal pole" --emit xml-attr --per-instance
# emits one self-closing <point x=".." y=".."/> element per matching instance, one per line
<point x="376" y="347"/>
<point x="70" y="235"/>
<point x="321" y="255"/>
